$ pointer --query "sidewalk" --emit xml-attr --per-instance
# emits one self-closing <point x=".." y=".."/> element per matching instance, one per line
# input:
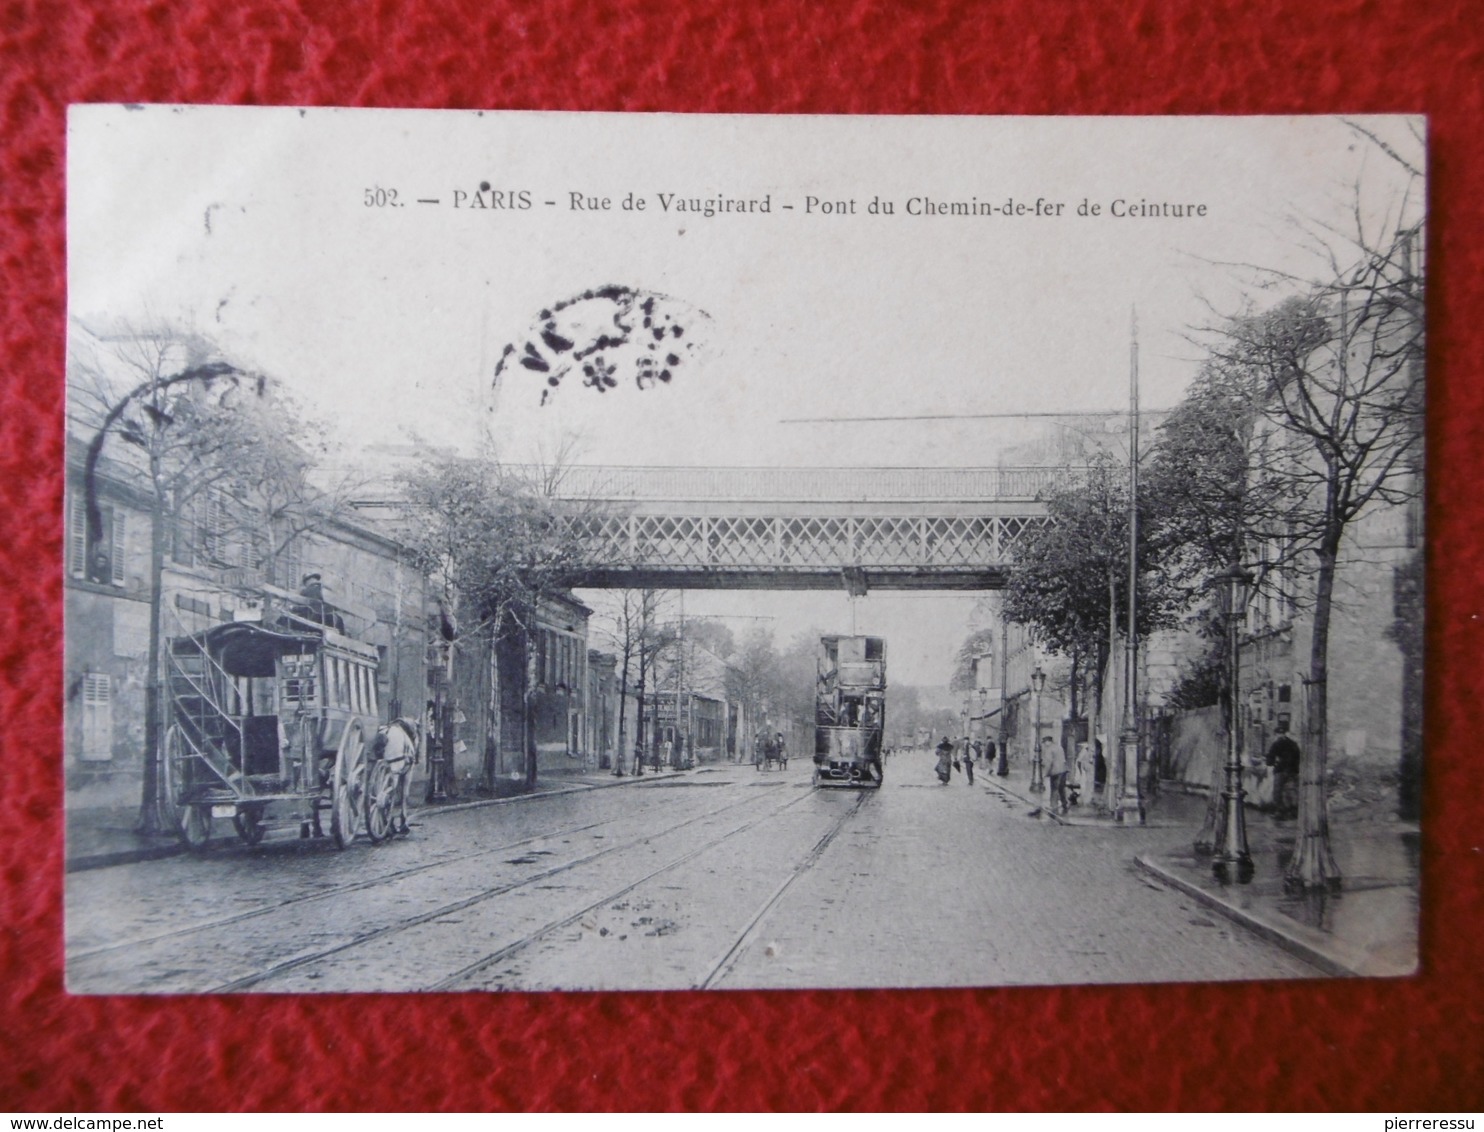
<point x="99" y="837"/>
<point x="1368" y="929"/>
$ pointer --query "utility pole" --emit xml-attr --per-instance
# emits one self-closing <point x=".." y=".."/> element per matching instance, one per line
<point x="1130" y="799"/>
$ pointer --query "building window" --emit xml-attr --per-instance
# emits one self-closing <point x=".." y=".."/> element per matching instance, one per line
<point x="97" y="717"/>
<point x="103" y="562"/>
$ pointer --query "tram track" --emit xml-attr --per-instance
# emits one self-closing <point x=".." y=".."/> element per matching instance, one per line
<point x="723" y="966"/>
<point x="256" y="979"/>
<point x="268" y="908"/>
<point x="716" y="969"/>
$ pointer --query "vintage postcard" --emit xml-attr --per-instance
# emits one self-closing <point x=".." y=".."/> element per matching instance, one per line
<point x="565" y="551"/>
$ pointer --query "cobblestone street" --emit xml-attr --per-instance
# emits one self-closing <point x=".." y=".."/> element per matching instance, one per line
<point x="722" y="877"/>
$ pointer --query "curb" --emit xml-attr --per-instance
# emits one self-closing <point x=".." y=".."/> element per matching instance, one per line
<point x="1040" y="809"/>
<point x="432" y="809"/>
<point x="91" y="861"/>
<point x="122" y="857"/>
<point x="1259" y="925"/>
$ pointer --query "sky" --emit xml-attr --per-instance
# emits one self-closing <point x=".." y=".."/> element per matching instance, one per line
<point x="296" y="240"/>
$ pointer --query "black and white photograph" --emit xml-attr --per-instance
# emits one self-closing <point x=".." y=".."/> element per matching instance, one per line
<point x="592" y="551"/>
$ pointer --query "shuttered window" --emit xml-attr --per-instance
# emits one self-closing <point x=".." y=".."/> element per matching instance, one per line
<point x="97" y="717"/>
<point x="105" y="564"/>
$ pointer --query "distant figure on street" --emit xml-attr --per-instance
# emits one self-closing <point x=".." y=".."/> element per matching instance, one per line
<point x="759" y="750"/>
<point x="1054" y="760"/>
<point x="780" y="751"/>
<point x="970" y="749"/>
<point x="945" y="760"/>
<point x="638" y="759"/>
<point x="1283" y="757"/>
<point x="1079" y="777"/>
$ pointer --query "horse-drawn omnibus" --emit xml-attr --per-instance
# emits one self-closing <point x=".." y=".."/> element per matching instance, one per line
<point x="281" y="715"/>
<point x="849" y="711"/>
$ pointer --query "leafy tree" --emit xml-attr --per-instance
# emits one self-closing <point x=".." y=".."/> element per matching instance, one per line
<point x="497" y="548"/>
<point x="1070" y="580"/>
<point x="978" y="643"/>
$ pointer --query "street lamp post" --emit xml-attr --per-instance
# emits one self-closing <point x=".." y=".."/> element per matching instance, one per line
<point x="1003" y="770"/>
<point x="1130" y="799"/>
<point x="1038" y="685"/>
<point x="1232" y="856"/>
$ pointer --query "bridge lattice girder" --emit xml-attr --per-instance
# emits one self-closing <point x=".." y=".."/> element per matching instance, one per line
<point x="770" y="528"/>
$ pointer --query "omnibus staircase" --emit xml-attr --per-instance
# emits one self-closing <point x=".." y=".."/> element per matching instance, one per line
<point x="197" y="686"/>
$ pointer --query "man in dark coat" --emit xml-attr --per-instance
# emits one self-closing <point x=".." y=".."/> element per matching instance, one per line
<point x="1283" y="757"/>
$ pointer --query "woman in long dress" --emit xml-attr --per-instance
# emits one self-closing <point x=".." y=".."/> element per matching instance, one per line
<point x="945" y="760"/>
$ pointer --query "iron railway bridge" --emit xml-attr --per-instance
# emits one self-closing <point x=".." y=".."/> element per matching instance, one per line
<point x="801" y="528"/>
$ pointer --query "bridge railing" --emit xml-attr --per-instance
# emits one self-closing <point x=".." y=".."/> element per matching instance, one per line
<point x="800" y="543"/>
<point x="797" y="485"/>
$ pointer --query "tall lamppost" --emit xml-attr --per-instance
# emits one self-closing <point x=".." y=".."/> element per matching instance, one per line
<point x="1130" y="798"/>
<point x="1038" y="685"/>
<point x="1232" y="856"/>
<point x="1003" y="770"/>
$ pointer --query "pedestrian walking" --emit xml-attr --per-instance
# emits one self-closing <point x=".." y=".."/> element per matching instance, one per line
<point x="945" y="760"/>
<point x="1055" y="761"/>
<point x="1079" y="776"/>
<point x="1283" y="757"/>
<point x="969" y="761"/>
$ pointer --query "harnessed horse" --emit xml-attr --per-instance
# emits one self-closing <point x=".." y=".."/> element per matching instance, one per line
<point x="395" y="750"/>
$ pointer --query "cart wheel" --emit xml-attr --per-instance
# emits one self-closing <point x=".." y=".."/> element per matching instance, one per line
<point x="195" y="828"/>
<point x="249" y="823"/>
<point x="381" y="795"/>
<point x="348" y="802"/>
<point x="172" y="776"/>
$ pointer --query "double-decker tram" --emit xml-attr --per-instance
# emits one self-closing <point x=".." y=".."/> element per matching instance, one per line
<point x="849" y="711"/>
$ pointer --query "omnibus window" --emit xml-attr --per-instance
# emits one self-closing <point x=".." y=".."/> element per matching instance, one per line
<point x="298" y="679"/>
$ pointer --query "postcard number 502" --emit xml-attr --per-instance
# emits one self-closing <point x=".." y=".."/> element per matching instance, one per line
<point x="382" y="198"/>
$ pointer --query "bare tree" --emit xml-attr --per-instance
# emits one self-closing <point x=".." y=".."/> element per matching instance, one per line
<point x="634" y="628"/>
<point x="163" y="406"/>
<point x="1343" y="410"/>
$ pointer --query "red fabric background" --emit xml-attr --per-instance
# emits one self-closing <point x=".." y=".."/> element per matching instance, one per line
<point x="1413" y="1044"/>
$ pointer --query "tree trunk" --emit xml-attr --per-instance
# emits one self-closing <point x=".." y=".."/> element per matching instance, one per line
<point x="623" y="701"/>
<point x="1213" y="827"/>
<point x="527" y="728"/>
<point x="1112" y="756"/>
<point x="151" y="818"/>
<point x="1313" y="865"/>
<point x="490" y="646"/>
